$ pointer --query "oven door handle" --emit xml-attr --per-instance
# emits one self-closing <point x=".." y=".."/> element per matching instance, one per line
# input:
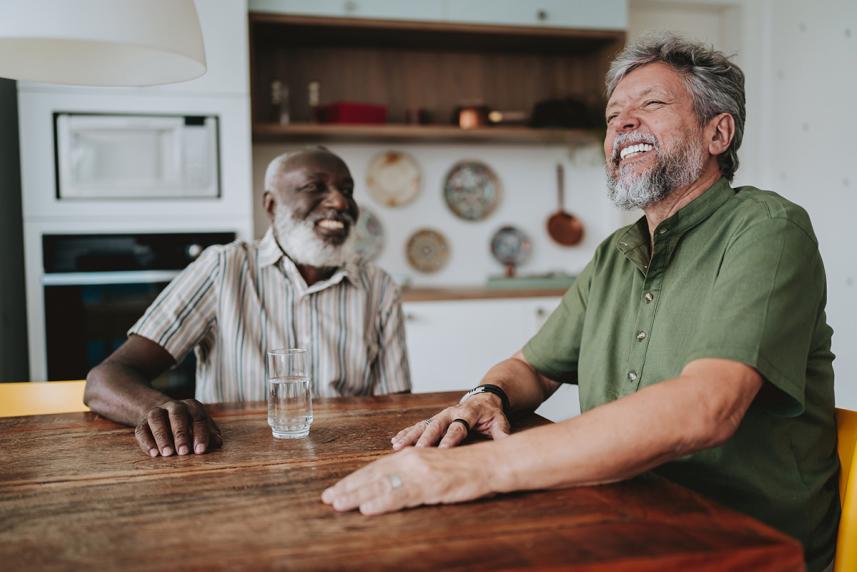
<point x="106" y="278"/>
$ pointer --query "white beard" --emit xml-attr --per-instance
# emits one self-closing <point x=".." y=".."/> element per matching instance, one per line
<point x="303" y="245"/>
<point x="674" y="168"/>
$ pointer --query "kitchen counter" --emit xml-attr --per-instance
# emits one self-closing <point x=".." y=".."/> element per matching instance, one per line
<point x="475" y="293"/>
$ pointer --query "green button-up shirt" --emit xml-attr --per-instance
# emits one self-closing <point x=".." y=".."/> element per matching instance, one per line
<point x="735" y="274"/>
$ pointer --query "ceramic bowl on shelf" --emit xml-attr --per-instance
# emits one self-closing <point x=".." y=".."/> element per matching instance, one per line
<point x="394" y="178"/>
<point x="427" y="250"/>
<point x="370" y="235"/>
<point x="511" y="247"/>
<point x="471" y="190"/>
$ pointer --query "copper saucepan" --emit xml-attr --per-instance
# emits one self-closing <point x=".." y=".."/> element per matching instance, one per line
<point x="563" y="227"/>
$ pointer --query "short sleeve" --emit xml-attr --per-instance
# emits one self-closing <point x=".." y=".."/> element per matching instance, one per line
<point x="393" y="372"/>
<point x="184" y="311"/>
<point x="555" y="349"/>
<point x="764" y="307"/>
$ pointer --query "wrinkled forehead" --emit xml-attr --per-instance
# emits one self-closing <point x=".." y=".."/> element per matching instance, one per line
<point x="650" y="80"/>
<point x="315" y="163"/>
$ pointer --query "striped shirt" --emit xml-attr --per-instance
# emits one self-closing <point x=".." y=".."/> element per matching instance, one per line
<point x="237" y="301"/>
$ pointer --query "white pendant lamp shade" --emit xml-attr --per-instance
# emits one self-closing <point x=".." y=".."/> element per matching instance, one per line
<point x="101" y="42"/>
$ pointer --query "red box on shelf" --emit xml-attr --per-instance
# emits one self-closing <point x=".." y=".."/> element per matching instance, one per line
<point x="348" y="112"/>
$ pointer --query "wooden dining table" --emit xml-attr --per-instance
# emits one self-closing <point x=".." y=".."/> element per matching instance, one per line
<point x="76" y="493"/>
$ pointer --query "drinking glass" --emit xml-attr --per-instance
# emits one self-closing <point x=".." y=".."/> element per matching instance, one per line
<point x="289" y="393"/>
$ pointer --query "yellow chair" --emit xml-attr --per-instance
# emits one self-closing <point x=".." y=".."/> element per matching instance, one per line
<point x="846" y="542"/>
<point x="41" y="397"/>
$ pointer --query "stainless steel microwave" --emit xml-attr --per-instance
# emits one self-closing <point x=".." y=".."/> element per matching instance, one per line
<point x="113" y="156"/>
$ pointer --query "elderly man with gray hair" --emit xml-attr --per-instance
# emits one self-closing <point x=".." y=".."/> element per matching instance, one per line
<point x="697" y="336"/>
<point x="302" y="285"/>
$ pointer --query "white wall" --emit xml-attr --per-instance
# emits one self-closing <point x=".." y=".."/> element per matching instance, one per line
<point x="800" y="60"/>
<point x="528" y="177"/>
<point x="811" y="144"/>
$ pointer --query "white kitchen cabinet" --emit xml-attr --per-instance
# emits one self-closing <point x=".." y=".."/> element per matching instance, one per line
<point x="424" y="10"/>
<point x="586" y="14"/>
<point x="603" y="15"/>
<point x="452" y="343"/>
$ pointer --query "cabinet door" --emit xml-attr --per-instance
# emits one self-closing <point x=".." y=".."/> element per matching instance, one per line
<point x="604" y="14"/>
<point x="452" y="344"/>
<point x="564" y="403"/>
<point x="430" y="10"/>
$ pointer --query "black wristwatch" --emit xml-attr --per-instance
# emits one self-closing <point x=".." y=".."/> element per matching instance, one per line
<point x="489" y="388"/>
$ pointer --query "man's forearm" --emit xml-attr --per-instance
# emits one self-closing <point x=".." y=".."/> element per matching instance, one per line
<point x="620" y="439"/>
<point x="524" y="387"/>
<point x="120" y="393"/>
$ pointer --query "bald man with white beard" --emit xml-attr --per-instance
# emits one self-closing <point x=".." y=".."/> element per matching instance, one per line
<point x="301" y="285"/>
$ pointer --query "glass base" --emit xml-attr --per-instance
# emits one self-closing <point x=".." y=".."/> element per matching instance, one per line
<point x="290" y="434"/>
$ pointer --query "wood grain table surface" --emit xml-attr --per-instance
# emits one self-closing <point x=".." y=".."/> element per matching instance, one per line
<point x="77" y="494"/>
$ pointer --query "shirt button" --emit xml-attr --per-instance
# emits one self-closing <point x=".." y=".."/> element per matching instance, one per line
<point x="641" y="335"/>
<point x="648" y="297"/>
<point x="663" y="230"/>
<point x="632" y="375"/>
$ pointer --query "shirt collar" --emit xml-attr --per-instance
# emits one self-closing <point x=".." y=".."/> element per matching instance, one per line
<point x="636" y="236"/>
<point x="270" y="254"/>
<point x="696" y="210"/>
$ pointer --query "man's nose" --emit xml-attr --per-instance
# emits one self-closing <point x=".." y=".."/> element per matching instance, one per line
<point x="336" y="199"/>
<point x="627" y="121"/>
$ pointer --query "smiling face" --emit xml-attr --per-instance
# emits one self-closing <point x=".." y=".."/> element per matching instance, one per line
<point x="312" y="208"/>
<point x="316" y="187"/>
<point x="654" y="143"/>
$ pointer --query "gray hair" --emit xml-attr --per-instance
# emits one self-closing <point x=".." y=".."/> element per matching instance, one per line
<point x="715" y="83"/>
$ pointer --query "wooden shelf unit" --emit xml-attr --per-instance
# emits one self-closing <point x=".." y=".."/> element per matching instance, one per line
<point x="273" y="132"/>
<point x="435" y="66"/>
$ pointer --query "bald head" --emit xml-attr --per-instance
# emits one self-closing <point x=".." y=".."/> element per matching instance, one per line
<point x="300" y="159"/>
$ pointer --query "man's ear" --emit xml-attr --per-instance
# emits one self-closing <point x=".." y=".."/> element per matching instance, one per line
<point x="269" y="203"/>
<point x="722" y="131"/>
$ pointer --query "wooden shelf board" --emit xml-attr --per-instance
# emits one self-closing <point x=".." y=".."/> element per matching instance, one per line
<point x="416" y="133"/>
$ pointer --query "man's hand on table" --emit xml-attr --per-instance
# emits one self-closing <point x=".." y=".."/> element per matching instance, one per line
<point x="414" y="477"/>
<point x="424" y="475"/>
<point x="481" y="413"/>
<point x="177" y="427"/>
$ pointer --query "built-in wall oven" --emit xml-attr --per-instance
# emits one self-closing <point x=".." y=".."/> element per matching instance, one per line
<point x="97" y="285"/>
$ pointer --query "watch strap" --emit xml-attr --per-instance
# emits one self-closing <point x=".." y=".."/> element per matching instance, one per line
<point x="489" y="388"/>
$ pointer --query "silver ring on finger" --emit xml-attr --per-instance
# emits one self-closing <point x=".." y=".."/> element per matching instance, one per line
<point x="394" y="480"/>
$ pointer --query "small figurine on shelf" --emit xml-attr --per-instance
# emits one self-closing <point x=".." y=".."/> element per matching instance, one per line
<point x="280" y="102"/>
<point x="314" y="99"/>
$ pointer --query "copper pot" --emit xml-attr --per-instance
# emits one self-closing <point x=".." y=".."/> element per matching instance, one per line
<point x="470" y="116"/>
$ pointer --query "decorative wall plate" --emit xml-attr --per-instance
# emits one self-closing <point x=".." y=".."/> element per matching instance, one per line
<point x="370" y="235"/>
<point x="427" y="250"/>
<point x="511" y="247"/>
<point x="393" y="178"/>
<point x="471" y="190"/>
